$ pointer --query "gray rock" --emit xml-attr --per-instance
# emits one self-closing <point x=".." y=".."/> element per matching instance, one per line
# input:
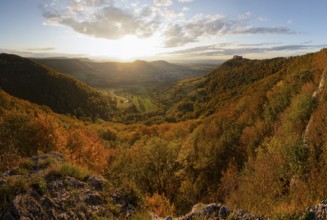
<point x="217" y="211"/>
<point x="65" y="197"/>
<point x="97" y="182"/>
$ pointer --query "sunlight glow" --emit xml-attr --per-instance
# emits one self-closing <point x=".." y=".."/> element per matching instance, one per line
<point x="130" y="48"/>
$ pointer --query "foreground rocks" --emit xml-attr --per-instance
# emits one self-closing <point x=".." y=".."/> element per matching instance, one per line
<point x="318" y="212"/>
<point x="48" y="187"/>
<point x="45" y="194"/>
<point x="212" y="211"/>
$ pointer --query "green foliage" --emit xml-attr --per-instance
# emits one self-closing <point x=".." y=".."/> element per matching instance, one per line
<point x="39" y="184"/>
<point x="67" y="169"/>
<point x="48" y="162"/>
<point x="13" y="187"/>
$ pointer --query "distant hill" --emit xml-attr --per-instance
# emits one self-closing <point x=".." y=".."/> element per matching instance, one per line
<point x="37" y="83"/>
<point x="115" y="74"/>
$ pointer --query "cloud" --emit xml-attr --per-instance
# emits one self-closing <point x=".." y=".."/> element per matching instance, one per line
<point x="162" y="2"/>
<point x="184" y="1"/>
<point x="184" y="9"/>
<point x="41" y="49"/>
<point x="262" y="30"/>
<point x="232" y="48"/>
<point x="110" y="20"/>
<point x="263" y="19"/>
<point x="206" y="26"/>
<point x="35" y="52"/>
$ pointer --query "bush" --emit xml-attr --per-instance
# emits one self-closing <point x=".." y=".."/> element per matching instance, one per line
<point x="160" y="205"/>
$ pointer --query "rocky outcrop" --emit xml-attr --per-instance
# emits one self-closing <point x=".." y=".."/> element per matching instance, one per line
<point x="318" y="212"/>
<point x="38" y="189"/>
<point x="213" y="211"/>
<point x="50" y="195"/>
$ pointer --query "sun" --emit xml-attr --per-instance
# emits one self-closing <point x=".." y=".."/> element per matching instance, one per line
<point x="130" y="48"/>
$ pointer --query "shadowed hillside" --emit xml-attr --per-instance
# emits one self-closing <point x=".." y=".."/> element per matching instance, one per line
<point x="29" y="80"/>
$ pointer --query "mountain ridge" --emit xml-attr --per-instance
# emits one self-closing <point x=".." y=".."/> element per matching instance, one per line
<point x="111" y="74"/>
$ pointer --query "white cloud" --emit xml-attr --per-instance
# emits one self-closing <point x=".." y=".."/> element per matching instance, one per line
<point x="104" y="19"/>
<point x="232" y="48"/>
<point x="263" y="19"/>
<point x="185" y="9"/>
<point x="245" y="16"/>
<point x="162" y="2"/>
<point x="205" y="26"/>
<point x="184" y="1"/>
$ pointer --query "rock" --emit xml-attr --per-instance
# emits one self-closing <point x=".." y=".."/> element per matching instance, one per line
<point x="64" y="198"/>
<point x="93" y="199"/>
<point x="97" y="182"/>
<point x="319" y="212"/>
<point x="223" y="212"/>
<point x="217" y="211"/>
<point x="25" y="206"/>
<point x="6" y="173"/>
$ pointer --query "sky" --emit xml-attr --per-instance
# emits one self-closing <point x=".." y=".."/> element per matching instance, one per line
<point x="127" y="30"/>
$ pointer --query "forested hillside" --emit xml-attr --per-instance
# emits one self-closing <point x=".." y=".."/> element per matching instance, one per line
<point x="29" y="80"/>
<point x="250" y="134"/>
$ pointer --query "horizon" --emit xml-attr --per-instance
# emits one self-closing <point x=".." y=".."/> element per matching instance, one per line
<point x="172" y="30"/>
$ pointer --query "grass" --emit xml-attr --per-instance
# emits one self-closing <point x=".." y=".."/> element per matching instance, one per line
<point x="46" y="163"/>
<point x="67" y="169"/>
<point x="27" y="164"/>
<point x="137" y="95"/>
<point x="140" y="215"/>
<point x="39" y="184"/>
<point x="9" y="190"/>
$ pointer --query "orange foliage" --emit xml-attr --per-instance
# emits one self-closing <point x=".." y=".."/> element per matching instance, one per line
<point x="85" y="148"/>
<point x="160" y="205"/>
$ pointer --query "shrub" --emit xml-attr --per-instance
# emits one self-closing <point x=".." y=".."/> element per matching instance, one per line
<point x="160" y="205"/>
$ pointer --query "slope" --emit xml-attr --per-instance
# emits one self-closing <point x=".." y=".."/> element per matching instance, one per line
<point x="29" y="80"/>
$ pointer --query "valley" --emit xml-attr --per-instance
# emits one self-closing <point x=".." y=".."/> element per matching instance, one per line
<point x="233" y="135"/>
